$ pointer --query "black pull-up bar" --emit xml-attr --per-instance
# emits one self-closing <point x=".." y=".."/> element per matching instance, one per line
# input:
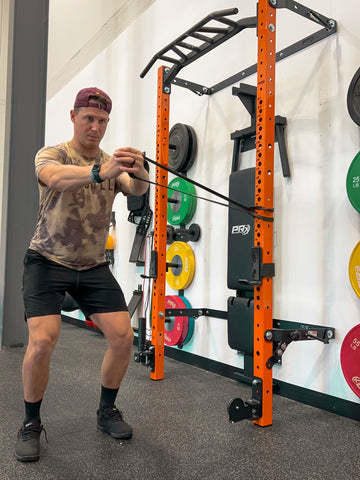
<point x="188" y="52"/>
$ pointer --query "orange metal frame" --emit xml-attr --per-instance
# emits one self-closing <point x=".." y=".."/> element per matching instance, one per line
<point x="264" y="187"/>
<point x="263" y="317"/>
<point x="160" y="228"/>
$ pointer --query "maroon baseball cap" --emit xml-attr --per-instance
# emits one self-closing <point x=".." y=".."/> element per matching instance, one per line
<point x="83" y="99"/>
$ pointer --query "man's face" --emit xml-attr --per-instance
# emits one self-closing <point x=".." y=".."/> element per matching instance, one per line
<point x="89" y="126"/>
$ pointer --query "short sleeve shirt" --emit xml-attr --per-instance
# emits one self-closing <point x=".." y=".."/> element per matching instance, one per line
<point x="72" y="226"/>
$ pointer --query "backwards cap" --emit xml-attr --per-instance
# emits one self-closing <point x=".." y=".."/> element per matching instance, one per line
<point x="83" y="99"/>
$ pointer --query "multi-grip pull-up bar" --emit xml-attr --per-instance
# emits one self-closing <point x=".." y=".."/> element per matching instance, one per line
<point x="210" y="33"/>
<point x="186" y="51"/>
<point x="208" y="37"/>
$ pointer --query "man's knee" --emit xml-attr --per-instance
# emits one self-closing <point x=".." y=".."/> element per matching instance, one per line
<point x="42" y="337"/>
<point x="118" y="331"/>
<point x="122" y="337"/>
<point x="41" y="346"/>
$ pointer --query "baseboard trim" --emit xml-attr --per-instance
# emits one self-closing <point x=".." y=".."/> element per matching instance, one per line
<point x="329" y="403"/>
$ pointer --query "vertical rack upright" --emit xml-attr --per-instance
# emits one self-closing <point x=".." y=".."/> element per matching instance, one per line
<point x="160" y="226"/>
<point x="264" y="189"/>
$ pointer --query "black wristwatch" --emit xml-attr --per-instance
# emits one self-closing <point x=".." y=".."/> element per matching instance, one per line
<point x="94" y="173"/>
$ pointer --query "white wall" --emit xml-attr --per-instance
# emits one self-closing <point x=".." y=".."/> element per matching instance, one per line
<point x="79" y="30"/>
<point x="316" y="228"/>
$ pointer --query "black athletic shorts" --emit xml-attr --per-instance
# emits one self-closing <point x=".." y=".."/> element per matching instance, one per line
<point x="45" y="282"/>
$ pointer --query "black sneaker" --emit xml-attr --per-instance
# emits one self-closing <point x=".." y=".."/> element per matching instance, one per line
<point x="111" y="421"/>
<point x="28" y="442"/>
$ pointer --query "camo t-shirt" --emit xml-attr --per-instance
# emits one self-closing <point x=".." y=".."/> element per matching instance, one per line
<point x="72" y="226"/>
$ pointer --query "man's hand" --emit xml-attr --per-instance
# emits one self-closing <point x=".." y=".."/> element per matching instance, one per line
<point x="129" y="160"/>
<point x="125" y="159"/>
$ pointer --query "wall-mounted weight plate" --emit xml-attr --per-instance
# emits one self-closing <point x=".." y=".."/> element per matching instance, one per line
<point x="191" y="322"/>
<point x="181" y="275"/>
<point x="182" y="147"/>
<point x="354" y="269"/>
<point x="90" y="323"/>
<point x="350" y="359"/>
<point x="69" y="304"/>
<point x="179" y="144"/>
<point x="353" y="182"/>
<point x="191" y="212"/>
<point x="353" y="98"/>
<point x="177" y="329"/>
<point x="189" y="161"/>
<point x="181" y="212"/>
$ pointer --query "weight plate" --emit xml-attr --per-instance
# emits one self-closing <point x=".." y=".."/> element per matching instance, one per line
<point x="353" y="182"/>
<point x="354" y="269"/>
<point x="189" y="161"/>
<point x="179" y="143"/>
<point x="69" y="304"/>
<point x="177" y="329"/>
<point x="350" y="359"/>
<point x="181" y="212"/>
<point x="191" y="322"/>
<point x="180" y="277"/>
<point x="191" y="211"/>
<point x="353" y="98"/>
<point x="90" y="323"/>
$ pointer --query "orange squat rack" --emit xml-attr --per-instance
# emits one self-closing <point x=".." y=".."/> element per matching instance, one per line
<point x="259" y="409"/>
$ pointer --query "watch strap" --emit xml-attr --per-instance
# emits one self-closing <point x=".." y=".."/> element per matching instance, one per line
<point x="94" y="173"/>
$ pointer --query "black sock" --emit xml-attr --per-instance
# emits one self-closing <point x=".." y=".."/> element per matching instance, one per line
<point x="108" y="396"/>
<point x="32" y="410"/>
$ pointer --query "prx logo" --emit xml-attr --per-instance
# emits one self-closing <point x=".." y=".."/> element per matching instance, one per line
<point x="240" y="229"/>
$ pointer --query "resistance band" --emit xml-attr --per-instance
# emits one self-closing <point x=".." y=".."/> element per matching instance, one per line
<point x="232" y="203"/>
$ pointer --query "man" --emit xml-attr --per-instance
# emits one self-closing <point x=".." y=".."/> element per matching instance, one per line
<point x="77" y="185"/>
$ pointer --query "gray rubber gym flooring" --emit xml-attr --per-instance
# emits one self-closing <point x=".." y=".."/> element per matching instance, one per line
<point x="181" y="428"/>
